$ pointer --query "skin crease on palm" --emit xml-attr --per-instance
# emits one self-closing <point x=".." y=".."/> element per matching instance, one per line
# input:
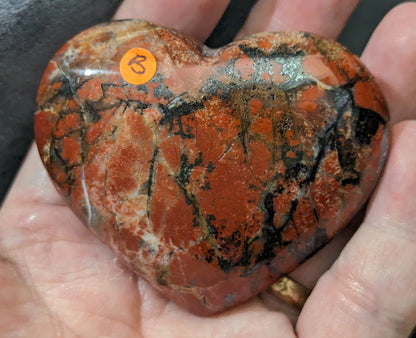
<point x="57" y="280"/>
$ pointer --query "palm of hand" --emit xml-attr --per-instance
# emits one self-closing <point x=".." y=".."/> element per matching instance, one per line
<point x="58" y="280"/>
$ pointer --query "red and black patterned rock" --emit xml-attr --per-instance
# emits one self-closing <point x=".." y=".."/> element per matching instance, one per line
<point x="211" y="173"/>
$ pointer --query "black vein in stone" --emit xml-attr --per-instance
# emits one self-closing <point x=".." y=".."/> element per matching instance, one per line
<point x="149" y="183"/>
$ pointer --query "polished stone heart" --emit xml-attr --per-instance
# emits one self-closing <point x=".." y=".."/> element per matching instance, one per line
<point x="211" y="173"/>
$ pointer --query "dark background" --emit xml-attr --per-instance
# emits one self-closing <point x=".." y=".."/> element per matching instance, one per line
<point x="32" y="30"/>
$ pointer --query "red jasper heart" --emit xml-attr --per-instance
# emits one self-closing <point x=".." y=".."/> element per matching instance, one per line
<point x="211" y="173"/>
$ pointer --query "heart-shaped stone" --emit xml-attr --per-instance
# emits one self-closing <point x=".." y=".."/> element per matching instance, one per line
<point x="211" y="173"/>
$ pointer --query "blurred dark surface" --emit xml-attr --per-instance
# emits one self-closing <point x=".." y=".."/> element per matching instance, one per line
<point x="32" y="30"/>
<point x="230" y="23"/>
<point x="363" y="21"/>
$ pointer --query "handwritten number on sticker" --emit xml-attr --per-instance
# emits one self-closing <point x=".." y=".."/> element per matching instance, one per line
<point x="138" y="66"/>
<point x="137" y="60"/>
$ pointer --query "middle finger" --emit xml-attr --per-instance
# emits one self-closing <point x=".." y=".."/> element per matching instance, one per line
<point x="196" y="18"/>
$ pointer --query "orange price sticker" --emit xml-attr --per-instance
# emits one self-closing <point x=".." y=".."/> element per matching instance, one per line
<point x="138" y="66"/>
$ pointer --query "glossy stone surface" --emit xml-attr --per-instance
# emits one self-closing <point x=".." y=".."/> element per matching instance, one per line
<point x="224" y="171"/>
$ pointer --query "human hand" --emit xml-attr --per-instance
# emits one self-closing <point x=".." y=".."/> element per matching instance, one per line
<point x="59" y="280"/>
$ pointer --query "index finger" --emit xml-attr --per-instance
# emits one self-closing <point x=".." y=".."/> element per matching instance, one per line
<point x="390" y="56"/>
<point x="322" y="17"/>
